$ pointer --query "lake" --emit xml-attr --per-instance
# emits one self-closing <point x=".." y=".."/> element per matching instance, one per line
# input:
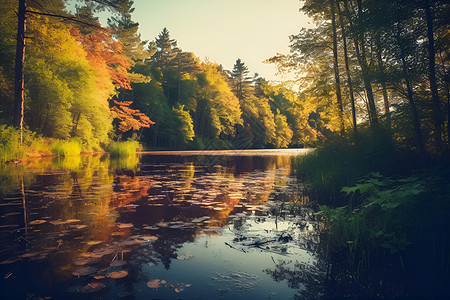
<point x="161" y="225"/>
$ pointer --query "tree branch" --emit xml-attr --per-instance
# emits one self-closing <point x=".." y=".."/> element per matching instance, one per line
<point x="73" y="19"/>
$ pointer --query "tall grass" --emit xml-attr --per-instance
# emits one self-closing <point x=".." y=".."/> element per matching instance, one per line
<point x="122" y="149"/>
<point x="342" y="162"/>
<point x="10" y="146"/>
<point x="66" y="148"/>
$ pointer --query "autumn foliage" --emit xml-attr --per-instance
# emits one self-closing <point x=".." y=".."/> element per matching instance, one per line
<point x="129" y="119"/>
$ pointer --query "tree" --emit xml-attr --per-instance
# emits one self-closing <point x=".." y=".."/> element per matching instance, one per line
<point x="129" y="119"/>
<point x="240" y="80"/>
<point x="20" y="49"/>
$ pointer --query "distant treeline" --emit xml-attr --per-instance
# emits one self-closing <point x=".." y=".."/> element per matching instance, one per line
<point x="98" y="84"/>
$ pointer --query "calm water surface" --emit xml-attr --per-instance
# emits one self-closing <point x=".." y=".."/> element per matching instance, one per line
<point x="157" y="226"/>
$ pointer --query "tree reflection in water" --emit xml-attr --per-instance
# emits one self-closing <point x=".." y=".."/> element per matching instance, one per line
<point x="91" y="220"/>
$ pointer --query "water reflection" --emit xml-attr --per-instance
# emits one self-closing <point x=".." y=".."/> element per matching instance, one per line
<point x="153" y="226"/>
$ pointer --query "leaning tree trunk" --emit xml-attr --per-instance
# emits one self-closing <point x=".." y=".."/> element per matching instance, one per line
<point x="436" y="107"/>
<point x="347" y="70"/>
<point x="19" y="68"/>
<point x="336" y="67"/>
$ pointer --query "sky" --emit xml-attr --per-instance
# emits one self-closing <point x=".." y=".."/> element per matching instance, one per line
<point x="225" y="30"/>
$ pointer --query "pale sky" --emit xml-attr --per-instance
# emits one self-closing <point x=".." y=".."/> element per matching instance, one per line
<point x="225" y="30"/>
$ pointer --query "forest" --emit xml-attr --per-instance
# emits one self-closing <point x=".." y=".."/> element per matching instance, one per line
<point x="95" y="84"/>
<point x="370" y="93"/>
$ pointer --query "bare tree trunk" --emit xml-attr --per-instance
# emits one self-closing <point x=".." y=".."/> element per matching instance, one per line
<point x="412" y="104"/>
<point x="347" y="69"/>
<point x="336" y="66"/>
<point x="19" y="68"/>
<point x="382" y="76"/>
<point x="436" y="106"/>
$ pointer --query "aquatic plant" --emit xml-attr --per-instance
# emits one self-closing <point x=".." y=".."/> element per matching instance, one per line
<point x="342" y="162"/>
<point x="66" y="148"/>
<point x="122" y="149"/>
<point x="395" y="221"/>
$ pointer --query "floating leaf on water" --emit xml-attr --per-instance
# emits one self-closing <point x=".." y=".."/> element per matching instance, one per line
<point x="118" y="263"/>
<point x="93" y="287"/>
<point x="185" y="256"/>
<point x="98" y="277"/>
<point x="148" y="238"/>
<point x="125" y="225"/>
<point x="81" y="261"/>
<point x="118" y="233"/>
<point x="84" y="271"/>
<point x="151" y="228"/>
<point x="37" y="222"/>
<point x="155" y="283"/>
<point x="162" y="224"/>
<point x="72" y="221"/>
<point x="94" y="242"/>
<point x="80" y="226"/>
<point x="118" y="274"/>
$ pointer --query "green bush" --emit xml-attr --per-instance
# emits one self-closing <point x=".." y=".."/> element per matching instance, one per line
<point x="66" y="148"/>
<point x="121" y="149"/>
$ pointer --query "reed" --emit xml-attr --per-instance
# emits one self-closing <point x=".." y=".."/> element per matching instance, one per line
<point x="66" y="148"/>
<point x="123" y="149"/>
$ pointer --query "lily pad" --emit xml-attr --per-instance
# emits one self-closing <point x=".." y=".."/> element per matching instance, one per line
<point x="118" y="274"/>
<point x="93" y="287"/>
<point x="155" y="283"/>
<point x="37" y="222"/>
<point x="94" y="242"/>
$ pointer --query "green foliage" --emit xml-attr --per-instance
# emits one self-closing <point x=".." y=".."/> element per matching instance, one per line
<point x="386" y="215"/>
<point x="124" y="149"/>
<point x="10" y="147"/>
<point x="67" y="148"/>
<point x="341" y="162"/>
<point x="184" y="125"/>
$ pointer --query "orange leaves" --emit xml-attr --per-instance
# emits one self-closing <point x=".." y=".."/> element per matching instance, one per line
<point x="106" y="55"/>
<point x="129" y="118"/>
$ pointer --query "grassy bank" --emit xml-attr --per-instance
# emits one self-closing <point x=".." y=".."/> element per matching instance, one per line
<point x="385" y="212"/>
<point x="123" y="149"/>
